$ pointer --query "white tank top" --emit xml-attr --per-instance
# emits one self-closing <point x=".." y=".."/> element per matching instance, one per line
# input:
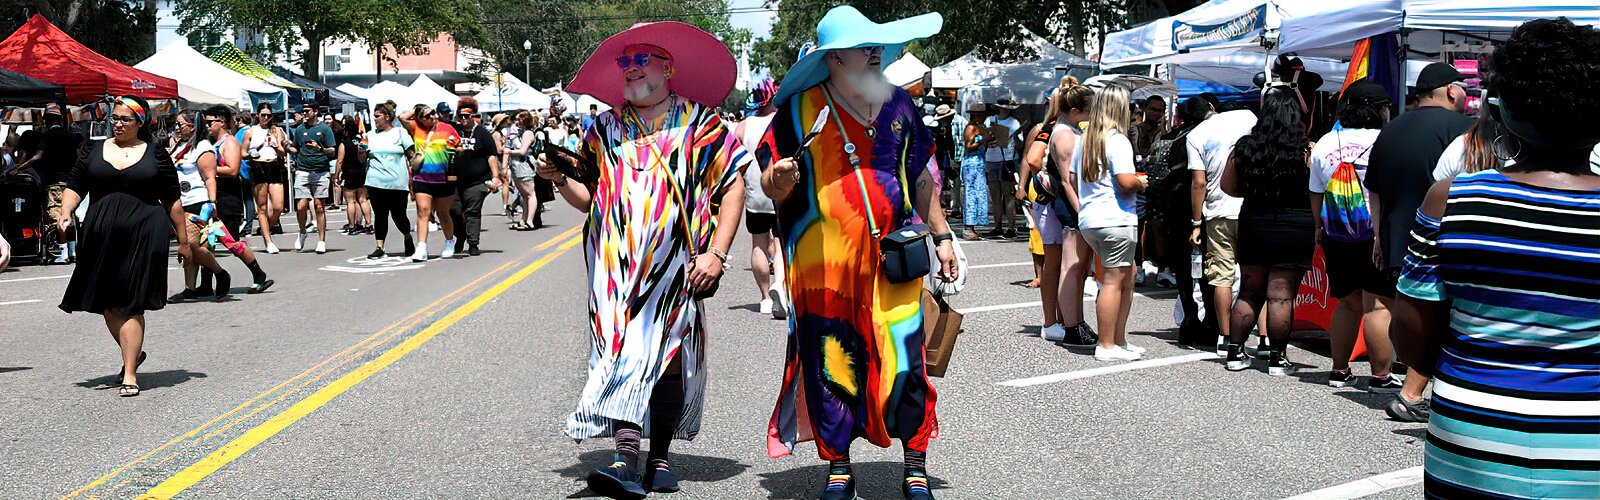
<point x="261" y="144"/>
<point x="755" y="200"/>
<point x="190" y="184"/>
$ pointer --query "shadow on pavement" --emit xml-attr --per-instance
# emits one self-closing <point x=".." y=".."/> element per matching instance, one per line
<point x="4" y="369"/>
<point x="874" y="480"/>
<point x="688" y="468"/>
<point x="147" y="380"/>
<point x="1417" y="433"/>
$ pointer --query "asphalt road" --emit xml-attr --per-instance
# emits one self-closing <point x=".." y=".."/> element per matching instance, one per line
<point x="452" y="379"/>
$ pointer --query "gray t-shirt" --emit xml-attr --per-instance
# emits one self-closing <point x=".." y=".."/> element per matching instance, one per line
<point x="313" y="159"/>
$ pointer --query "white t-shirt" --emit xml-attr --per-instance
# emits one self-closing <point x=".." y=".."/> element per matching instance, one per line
<point x="1353" y="145"/>
<point x="1454" y="160"/>
<point x="1005" y="152"/>
<point x="1101" y="204"/>
<point x="261" y="142"/>
<point x="755" y="200"/>
<point x="1210" y="144"/>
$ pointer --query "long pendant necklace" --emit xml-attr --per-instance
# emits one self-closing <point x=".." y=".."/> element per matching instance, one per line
<point x="871" y="121"/>
<point x="643" y="136"/>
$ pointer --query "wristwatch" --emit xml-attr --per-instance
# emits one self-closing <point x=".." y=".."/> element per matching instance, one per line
<point x="943" y="237"/>
<point x="1196" y="222"/>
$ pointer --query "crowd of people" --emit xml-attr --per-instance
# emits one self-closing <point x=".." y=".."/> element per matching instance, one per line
<point x="1464" y="248"/>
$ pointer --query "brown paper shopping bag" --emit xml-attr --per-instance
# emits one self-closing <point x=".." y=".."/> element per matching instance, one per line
<point x="940" y="326"/>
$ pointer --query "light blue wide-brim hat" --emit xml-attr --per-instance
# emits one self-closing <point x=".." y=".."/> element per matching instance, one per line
<point x="844" y="27"/>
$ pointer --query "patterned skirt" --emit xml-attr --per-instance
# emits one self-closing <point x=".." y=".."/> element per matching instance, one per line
<point x="976" y="207"/>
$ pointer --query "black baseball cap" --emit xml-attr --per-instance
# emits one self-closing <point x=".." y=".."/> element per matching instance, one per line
<point x="1365" y="92"/>
<point x="1437" y="75"/>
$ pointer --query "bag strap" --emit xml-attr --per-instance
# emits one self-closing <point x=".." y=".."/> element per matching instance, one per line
<point x="855" y="164"/>
<point x="677" y="193"/>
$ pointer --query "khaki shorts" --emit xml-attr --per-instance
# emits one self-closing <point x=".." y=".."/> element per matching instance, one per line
<point x="1115" y="245"/>
<point x="1221" y="262"/>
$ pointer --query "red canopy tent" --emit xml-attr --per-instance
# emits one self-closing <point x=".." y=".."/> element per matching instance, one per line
<point x="40" y="50"/>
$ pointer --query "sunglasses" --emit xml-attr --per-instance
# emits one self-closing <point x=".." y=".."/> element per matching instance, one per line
<point x="466" y="114"/>
<point x="640" y="60"/>
<point x="209" y="121"/>
<point x="871" y="50"/>
<point x="124" y="118"/>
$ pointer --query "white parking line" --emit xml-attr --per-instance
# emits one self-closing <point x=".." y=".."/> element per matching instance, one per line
<point x="1000" y="307"/>
<point x="1106" y="370"/>
<point x="61" y="277"/>
<point x="1008" y="264"/>
<point x="15" y="302"/>
<point x="1368" y="486"/>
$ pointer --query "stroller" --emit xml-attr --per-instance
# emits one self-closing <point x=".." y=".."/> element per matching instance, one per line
<point x="22" y="222"/>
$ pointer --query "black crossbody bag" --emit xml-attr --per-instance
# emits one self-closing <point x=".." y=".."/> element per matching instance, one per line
<point x="904" y="251"/>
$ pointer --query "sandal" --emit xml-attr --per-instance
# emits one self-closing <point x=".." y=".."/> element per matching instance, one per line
<point x="128" y="390"/>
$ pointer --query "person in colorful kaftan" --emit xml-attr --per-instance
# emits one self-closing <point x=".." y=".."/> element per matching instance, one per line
<point x="855" y="355"/>
<point x="662" y="214"/>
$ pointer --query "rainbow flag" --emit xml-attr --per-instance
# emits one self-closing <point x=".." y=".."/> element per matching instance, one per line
<point x="1377" y="59"/>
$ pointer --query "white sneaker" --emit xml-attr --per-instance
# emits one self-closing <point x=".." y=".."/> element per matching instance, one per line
<point x="780" y="303"/>
<point x="433" y="226"/>
<point x="271" y="248"/>
<point x="300" y="242"/>
<point x="1091" y="288"/>
<point x="1053" y="333"/>
<point x="449" y="249"/>
<point x="421" y="255"/>
<point x="1167" y="279"/>
<point x="1149" y="268"/>
<point x="1114" y="354"/>
<point x="322" y="246"/>
<point x="1133" y="348"/>
<point x="766" y="306"/>
<point x="311" y="226"/>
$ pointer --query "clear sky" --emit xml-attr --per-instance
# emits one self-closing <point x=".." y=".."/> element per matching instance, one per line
<point x="759" y="23"/>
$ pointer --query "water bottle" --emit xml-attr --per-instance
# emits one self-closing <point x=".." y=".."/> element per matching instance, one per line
<point x="1196" y="264"/>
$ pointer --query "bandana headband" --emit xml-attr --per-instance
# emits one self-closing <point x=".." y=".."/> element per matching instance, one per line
<point x="138" y="110"/>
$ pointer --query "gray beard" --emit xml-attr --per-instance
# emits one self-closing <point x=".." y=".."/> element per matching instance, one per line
<point x="873" y="85"/>
<point x="634" y="94"/>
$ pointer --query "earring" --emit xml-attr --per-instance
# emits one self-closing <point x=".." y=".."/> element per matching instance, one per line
<point x="1506" y="150"/>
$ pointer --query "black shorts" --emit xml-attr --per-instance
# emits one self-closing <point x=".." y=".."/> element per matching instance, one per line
<point x="1350" y="269"/>
<point x="759" y="223"/>
<point x="269" y="172"/>
<point x="1282" y="239"/>
<point x="444" y="190"/>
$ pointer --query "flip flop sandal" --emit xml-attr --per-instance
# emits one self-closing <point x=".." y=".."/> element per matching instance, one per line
<point x="128" y="390"/>
<point x="136" y="365"/>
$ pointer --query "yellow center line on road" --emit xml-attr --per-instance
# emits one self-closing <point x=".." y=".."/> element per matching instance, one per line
<point x="255" y="436"/>
<point x="327" y="366"/>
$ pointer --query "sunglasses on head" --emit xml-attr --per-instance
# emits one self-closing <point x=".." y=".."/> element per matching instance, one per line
<point x="640" y="60"/>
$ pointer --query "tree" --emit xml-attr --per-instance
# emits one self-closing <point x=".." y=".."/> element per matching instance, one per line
<point x="91" y="23"/>
<point x="993" y="28"/>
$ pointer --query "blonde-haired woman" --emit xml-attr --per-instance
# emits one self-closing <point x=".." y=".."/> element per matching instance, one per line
<point x="1107" y="182"/>
<point x="520" y="155"/>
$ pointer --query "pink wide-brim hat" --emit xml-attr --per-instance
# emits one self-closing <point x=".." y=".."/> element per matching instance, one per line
<point x="703" y="68"/>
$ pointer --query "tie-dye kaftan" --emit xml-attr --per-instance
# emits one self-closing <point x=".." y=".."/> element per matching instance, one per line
<point x="638" y="257"/>
<point x="855" y="354"/>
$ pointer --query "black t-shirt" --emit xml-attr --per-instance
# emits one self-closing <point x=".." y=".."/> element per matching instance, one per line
<point x="471" y="166"/>
<point x="61" y="146"/>
<point x="1400" y="170"/>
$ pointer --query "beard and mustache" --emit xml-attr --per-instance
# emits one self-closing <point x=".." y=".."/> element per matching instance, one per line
<point x="637" y="91"/>
<point x="871" y="82"/>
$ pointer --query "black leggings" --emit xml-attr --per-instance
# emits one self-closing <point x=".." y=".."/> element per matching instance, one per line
<point x="388" y="204"/>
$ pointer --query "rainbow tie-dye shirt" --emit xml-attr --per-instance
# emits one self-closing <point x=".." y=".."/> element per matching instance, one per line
<point x="434" y="146"/>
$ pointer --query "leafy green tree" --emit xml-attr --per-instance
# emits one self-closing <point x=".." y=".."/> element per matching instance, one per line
<point x="119" y="29"/>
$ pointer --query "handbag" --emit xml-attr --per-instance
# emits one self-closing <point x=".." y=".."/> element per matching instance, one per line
<point x="904" y="251"/>
<point x="415" y="158"/>
<point x="941" y="324"/>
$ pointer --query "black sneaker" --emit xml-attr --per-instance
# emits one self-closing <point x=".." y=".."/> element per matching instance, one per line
<point x="1081" y="336"/>
<point x="473" y="250"/>
<point x="1341" y="379"/>
<point x="1408" y="411"/>
<point x="186" y="295"/>
<point x="224" y="285"/>
<point x="1263" y="350"/>
<point x="841" y="485"/>
<point x="1237" y="360"/>
<point x="915" y="486"/>
<point x="1385" y="385"/>
<point x="377" y="253"/>
<point x="619" y="480"/>
<point x="1278" y="364"/>
<point x="659" y="478"/>
<point x="1011" y="234"/>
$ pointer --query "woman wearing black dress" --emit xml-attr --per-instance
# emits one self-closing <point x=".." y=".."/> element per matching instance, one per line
<point x="122" y="248"/>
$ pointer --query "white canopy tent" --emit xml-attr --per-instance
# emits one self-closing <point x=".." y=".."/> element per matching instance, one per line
<point x="432" y="93"/>
<point x="196" y="99"/>
<point x="511" y="94"/>
<point x="199" y="73"/>
<point x="584" y="101"/>
<point x="353" y="89"/>
<point x="403" y="97"/>
<point x="1493" y="15"/>
<point x="906" y="71"/>
<point x="1028" y="82"/>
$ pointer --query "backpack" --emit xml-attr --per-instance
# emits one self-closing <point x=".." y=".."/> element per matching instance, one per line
<point x="1345" y="216"/>
<point x="1160" y="160"/>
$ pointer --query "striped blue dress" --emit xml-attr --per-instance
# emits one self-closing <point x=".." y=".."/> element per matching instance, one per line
<point x="1516" y="401"/>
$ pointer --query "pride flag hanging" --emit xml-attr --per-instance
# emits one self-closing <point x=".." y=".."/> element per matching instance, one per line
<point x="1377" y="59"/>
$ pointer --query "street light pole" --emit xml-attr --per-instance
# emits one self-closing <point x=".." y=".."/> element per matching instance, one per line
<point x="527" y="60"/>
